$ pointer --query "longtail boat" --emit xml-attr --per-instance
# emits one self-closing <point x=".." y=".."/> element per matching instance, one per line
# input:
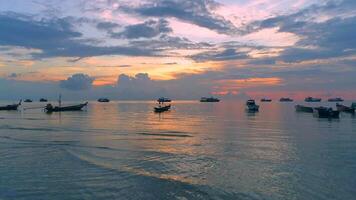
<point x="209" y="99"/>
<point x="312" y="99"/>
<point x="43" y="100"/>
<point x="346" y="109"/>
<point x="324" y="112"/>
<point x="49" y="108"/>
<point x="337" y="99"/>
<point x="283" y="99"/>
<point x="251" y="106"/>
<point x="266" y="100"/>
<point x="103" y="100"/>
<point x="163" y="100"/>
<point x="160" y="108"/>
<point x="301" y="108"/>
<point x="11" y="107"/>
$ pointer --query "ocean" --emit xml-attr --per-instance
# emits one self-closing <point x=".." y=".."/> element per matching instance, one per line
<point x="123" y="150"/>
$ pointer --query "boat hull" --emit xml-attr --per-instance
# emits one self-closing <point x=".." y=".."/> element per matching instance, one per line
<point x="346" y="109"/>
<point x="162" y="109"/>
<point x="300" y="108"/>
<point x="326" y="113"/>
<point x="9" y="107"/>
<point x="66" y="108"/>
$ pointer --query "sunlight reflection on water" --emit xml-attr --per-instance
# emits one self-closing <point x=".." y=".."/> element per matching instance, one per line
<point x="195" y="151"/>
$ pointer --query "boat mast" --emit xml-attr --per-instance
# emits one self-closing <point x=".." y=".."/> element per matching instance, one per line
<point x="60" y="100"/>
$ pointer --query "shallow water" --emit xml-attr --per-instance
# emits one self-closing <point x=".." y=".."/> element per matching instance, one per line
<point x="122" y="150"/>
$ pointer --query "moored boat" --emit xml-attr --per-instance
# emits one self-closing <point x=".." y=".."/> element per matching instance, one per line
<point x="311" y="99"/>
<point x="301" y="108"/>
<point x="209" y="99"/>
<point x="49" y="108"/>
<point x="338" y="99"/>
<point x="103" y="100"/>
<point x="11" y="107"/>
<point x="343" y="108"/>
<point x="266" y="100"/>
<point x="283" y="99"/>
<point x="162" y="108"/>
<point x="43" y="100"/>
<point x="324" y="112"/>
<point x="251" y="106"/>
<point x="353" y="105"/>
<point x="163" y="100"/>
<point x="28" y="101"/>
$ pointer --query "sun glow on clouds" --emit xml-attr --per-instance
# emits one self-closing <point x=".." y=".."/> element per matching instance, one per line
<point x="107" y="68"/>
<point x="234" y="85"/>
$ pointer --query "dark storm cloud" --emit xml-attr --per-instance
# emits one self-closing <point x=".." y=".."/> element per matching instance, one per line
<point x="56" y="37"/>
<point x="198" y="12"/>
<point x="148" y="29"/>
<point x="77" y="82"/>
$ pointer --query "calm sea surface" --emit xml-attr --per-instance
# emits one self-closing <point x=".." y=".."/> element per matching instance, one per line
<point x="122" y="150"/>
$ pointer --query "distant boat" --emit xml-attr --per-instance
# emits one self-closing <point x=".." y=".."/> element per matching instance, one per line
<point x="43" y="100"/>
<point x="324" y="112"/>
<point x="160" y="108"/>
<point x="346" y="109"/>
<point x="103" y="100"/>
<point x="338" y="99"/>
<point x="28" y="101"/>
<point x="301" y="108"/>
<point x="209" y="99"/>
<point x="283" y="99"/>
<point x="49" y="108"/>
<point x="266" y="100"/>
<point x="353" y="105"/>
<point x="11" y="107"/>
<point x="251" y="106"/>
<point x="311" y="99"/>
<point x="163" y="99"/>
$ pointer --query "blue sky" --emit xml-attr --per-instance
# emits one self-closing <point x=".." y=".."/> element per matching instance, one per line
<point x="141" y="49"/>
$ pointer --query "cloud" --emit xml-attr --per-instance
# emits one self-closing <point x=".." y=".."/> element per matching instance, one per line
<point x="57" y="38"/>
<point x="198" y="12"/>
<point x="320" y="39"/>
<point x="107" y="26"/>
<point x="227" y="54"/>
<point x="77" y="82"/>
<point x="148" y="29"/>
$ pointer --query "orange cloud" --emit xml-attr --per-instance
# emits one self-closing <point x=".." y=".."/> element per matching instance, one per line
<point x="234" y="85"/>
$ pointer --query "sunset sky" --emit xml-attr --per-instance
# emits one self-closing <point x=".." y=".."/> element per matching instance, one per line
<point x="142" y="49"/>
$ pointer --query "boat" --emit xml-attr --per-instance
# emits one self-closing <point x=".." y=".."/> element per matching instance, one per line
<point x="283" y="99"/>
<point x="163" y="99"/>
<point x="301" y="108"/>
<point x="251" y="106"/>
<point x="11" y="107"/>
<point x="209" y="99"/>
<point x="311" y="99"/>
<point x="103" y="100"/>
<point x="28" y="101"/>
<point x="266" y="100"/>
<point x="324" y="112"/>
<point x="49" y="108"/>
<point x="343" y="108"/>
<point x="43" y="100"/>
<point x="162" y="108"/>
<point x="338" y="99"/>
